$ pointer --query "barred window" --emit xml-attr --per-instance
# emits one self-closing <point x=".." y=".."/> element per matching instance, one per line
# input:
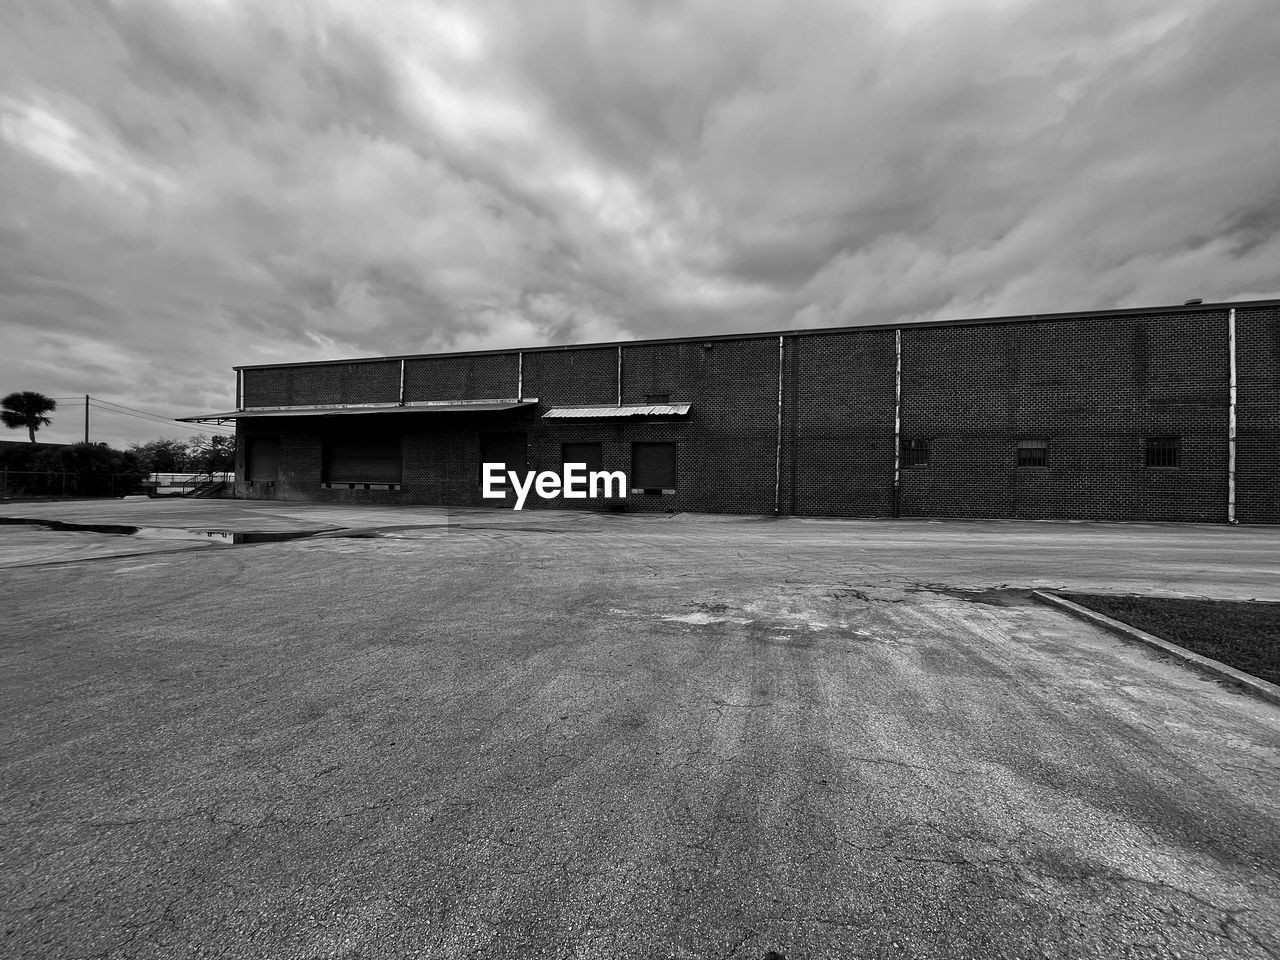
<point x="1033" y="453"/>
<point x="914" y="452"/>
<point x="1162" y="451"/>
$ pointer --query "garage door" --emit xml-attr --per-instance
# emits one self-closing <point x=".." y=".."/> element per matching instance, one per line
<point x="510" y="449"/>
<point x="262" y="459"/>
<point x="362" y="460"/>
<point x="653" y="467"/>
<point x="589" y="453"/>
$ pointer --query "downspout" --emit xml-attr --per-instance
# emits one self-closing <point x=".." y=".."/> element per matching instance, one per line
<point x="897" y="423"/>
<point x="238" y="486"/>
<point x="402" y="383"/>
<point x="520" y="375"/>
<point x="777" y="466"/>
<point x="619" y="374"/>
<point x="1231" y="418"/>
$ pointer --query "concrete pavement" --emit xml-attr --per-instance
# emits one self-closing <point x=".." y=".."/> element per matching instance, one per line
<point x="1211" y="560"/>
<point x="574" y="735"/>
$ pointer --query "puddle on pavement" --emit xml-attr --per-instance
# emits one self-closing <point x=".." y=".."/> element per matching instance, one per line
<point x="236" y="537"/>
<point x="168" y="533"/>
<point x="226" y="536"/>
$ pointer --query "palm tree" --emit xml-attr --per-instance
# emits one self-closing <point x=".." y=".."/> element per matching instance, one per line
<point x="27" y="409"/>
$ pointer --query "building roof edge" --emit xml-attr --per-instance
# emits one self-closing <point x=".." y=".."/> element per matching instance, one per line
<point x="796" y="332"/>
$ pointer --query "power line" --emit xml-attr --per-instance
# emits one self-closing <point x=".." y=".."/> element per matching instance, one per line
<point x="128" y="413"/>
<point x="107" y="406"/>
<point x="147" y="413"/>
<point x="102" y="404"/>
<point x="120" y="409"/>
<point x="163" y="423"/>
<point x="134" y="409"/>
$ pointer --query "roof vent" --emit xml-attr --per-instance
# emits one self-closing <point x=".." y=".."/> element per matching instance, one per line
<point x="1192" y="303"/>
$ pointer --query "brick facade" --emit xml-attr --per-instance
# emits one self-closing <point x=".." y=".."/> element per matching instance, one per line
<point x="1094" y="387"/>
<point x="1258" y="416"/>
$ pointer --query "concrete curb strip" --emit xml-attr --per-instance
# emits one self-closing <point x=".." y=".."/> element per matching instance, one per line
<point x="1259" y="688"/>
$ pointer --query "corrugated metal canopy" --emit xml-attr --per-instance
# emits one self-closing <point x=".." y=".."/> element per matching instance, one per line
<point x="626" y="410"/>
<point x="463" y="406"/>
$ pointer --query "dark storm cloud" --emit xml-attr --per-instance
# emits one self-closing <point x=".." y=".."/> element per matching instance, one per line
<point x="185" y="186"/>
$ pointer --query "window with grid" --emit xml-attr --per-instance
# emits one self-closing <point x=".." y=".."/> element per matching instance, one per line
<point x="1033" y="453"/>
<point x="1162" y="451"/>
<point x="914" y="452"/>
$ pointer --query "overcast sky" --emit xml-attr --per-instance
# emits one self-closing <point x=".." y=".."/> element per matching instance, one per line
<point x="189" y="185"/>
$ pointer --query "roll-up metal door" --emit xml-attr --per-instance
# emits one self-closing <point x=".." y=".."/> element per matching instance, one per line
<point x="262" y="459"/>
<point x="364" y="459"/>
<point x="510" y="449"/>
<point x="653" y="466"/>
<point x="589" y="453"/>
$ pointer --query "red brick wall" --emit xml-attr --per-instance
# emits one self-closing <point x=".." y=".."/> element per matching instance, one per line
<point x="1258" y="415"/>
<point x="572" y="376"/>
<point x="461" y="378"/>
<point x="671" y="368"/>
<point x="366" y="382"/>
<point x="1093" y="387"/>
<point x="838" y="455"/>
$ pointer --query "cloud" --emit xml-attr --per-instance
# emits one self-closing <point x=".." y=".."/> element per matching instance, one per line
<point x="187" y="186"/>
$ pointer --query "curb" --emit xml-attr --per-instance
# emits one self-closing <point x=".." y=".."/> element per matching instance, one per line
<point x="1259" y="688"/>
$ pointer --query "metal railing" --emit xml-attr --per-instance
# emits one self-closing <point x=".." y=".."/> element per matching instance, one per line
<point x="186" y="484"/>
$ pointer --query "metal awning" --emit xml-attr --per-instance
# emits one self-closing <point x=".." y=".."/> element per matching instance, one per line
<point x="425" y="406"/>
<point x="625" y="410"/>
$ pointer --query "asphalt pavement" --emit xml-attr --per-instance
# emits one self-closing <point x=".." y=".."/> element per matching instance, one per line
<point x="555" y="734"/>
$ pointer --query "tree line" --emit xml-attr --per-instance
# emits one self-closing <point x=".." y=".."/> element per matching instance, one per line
<point x="200" y="454"/>
<point x="80" y="469"/>
<point x="95" y="469"/>
<point x="28" y="410"/>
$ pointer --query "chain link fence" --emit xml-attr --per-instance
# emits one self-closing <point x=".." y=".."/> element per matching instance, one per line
<point x="63" y="483"/>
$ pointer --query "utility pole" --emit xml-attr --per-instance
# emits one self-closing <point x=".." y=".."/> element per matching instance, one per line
<point x="86" y="418"/>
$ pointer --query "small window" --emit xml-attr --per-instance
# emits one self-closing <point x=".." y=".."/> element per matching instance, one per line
<point x="657" y="398"/>
<point x="1162" y="452"/>
<point x="1033" y="453"/>
<point x="914" y="452"/>
<point x="653" y="467"/>
<point x="589" y="453"/>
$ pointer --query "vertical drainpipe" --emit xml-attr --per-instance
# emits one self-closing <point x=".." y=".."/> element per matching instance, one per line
<point x="402" y="383"/>
<point x="619" y="374"/>
<point x="237" y="488"/>
<point x="897" y="421"/>
<point x="1231" y="417"/>
<point x="520" y="375"/>
<point x="777" y="464"/>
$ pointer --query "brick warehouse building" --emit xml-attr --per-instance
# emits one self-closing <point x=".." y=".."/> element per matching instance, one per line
<point x="1164" y="413"/>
